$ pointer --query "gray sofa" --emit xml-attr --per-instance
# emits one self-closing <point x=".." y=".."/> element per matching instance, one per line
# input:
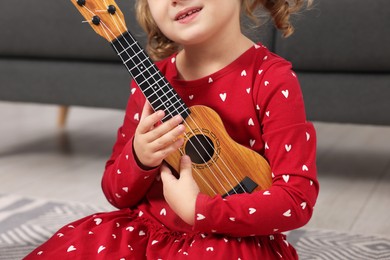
<point x="340" y="51"/>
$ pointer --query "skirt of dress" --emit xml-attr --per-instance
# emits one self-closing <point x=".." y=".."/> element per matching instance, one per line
<point x="126" y="234"/>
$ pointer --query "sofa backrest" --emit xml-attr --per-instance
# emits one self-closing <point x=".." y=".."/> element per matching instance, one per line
<point x="341" y="36"/>
<point x="54" y="30"/>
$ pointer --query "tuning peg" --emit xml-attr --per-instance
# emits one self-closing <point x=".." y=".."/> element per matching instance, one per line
<point x="81" y="2"/>
<point x="110" y="9"/>
<point x="95" y="20"/>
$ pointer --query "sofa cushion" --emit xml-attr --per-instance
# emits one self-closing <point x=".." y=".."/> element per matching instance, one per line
<point x="348" y="35"/>
<point x="360" y="98"/>
<point x="94" y="84"/>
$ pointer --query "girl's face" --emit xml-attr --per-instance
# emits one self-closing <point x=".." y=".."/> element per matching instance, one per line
<point x="191" y="22"/>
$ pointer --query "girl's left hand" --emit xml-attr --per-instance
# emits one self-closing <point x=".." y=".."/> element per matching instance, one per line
<point x="181" y="193"/>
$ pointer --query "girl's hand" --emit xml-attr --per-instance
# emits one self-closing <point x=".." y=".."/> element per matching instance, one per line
<point x="181" y="193"/>
<point x="153" y="142"/>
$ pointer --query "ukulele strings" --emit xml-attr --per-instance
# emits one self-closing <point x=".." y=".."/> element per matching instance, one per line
<point x="131" y="57"/>
<point x="189" y="140"/>
<point x="190" y="117"/>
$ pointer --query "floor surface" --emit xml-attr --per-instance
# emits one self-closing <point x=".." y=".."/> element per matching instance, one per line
<point x="38" y="159"/>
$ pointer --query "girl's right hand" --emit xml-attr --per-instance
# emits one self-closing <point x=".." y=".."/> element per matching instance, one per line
<point x="154" y="141"/>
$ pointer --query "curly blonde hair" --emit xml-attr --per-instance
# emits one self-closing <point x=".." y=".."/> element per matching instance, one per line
<point x="159" y="46"/>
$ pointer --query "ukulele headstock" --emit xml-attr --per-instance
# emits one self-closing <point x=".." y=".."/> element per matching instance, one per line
<point x="104" y="16"/>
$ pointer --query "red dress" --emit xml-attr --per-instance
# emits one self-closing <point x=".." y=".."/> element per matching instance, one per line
<point x="260" y="102"/>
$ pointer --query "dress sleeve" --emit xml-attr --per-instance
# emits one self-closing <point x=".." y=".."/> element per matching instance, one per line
<point x="290" y="148"/>
<point x="124" y="183"/>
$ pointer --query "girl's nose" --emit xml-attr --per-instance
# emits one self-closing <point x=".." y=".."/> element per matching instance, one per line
<point x="175" y="2"/>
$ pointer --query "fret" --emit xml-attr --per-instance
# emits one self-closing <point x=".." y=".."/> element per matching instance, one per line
<point x="124" y="57"/>
<point x="124" y="50"/>
<point x="173" y="110"/>
<point x="127" y="48"/>
<point x="144" y="71"/>
<point x="152" y="83"/>
<point x="160" y="96"/>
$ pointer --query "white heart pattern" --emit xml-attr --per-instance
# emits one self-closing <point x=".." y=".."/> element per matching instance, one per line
<point x="285" y="93"/>
<point x="101" y="248"/>
<point x="250" y="122"/>
<point x="243" y="73"/>
<point x="287" y="213"/>
<point x="130" y="228"/>
<point x="133" y="90"/>
<point x="200" y="217"/>
<point x="141" y="233"/>
<point x="191" y="97"/>
<point x="71" y="248"/>
<point x="288" y="147"/>
<point x="307" y="136"/>
<point x="267" y="113"/>
<point x="286" y="178"/>
<point x="267" y="193"/>
<point x="266" y="83"/>
<point x="98" y="221"/>
<point x="304" y="168"/>
<point x="154" y="242"/>
<point x="136" y="116"/>
<point x="210" y="80"/>
<point x="252" y="210"/>
<point x="125" y="189"/>
<point x="252" y="142"/>
<point x="303" y="205"/>
<point x="163" y="212"/>
<point x="223" y="96"/>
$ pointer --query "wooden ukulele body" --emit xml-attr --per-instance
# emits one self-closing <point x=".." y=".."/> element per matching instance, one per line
<point x="220" y="165"/>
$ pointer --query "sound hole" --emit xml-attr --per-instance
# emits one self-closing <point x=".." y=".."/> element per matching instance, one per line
<point x="200" y="148"/>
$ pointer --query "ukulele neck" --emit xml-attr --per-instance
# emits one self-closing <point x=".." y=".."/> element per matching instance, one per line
<point x="157" y="90"/>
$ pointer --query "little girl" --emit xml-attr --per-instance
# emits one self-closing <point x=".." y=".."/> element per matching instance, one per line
<point x="208" y="61"/>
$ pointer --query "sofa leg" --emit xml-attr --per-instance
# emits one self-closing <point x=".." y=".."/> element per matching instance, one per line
<point x="62" y="115"/>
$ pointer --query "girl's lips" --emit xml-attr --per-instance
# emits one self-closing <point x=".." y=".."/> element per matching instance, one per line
<point x="187" y="13"/>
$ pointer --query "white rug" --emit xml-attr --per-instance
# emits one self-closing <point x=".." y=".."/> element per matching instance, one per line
<point x="26" y="222"/>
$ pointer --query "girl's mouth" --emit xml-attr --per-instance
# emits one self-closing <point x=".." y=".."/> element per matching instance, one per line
<point x="184" y="15"/>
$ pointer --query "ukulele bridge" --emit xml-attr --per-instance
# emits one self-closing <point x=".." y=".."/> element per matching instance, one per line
<point x="247" y="185"/>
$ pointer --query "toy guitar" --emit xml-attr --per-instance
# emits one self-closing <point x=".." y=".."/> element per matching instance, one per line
<point x="220" y="165"/>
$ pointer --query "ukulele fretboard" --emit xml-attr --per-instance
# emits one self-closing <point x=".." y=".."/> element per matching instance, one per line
<point x="152" y="83"/>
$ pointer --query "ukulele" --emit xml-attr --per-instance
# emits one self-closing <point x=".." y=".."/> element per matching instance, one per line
<point x="219" y="164"/>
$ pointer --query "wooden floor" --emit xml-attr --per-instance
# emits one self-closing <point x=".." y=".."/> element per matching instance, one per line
<point x="40" y="160"/>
